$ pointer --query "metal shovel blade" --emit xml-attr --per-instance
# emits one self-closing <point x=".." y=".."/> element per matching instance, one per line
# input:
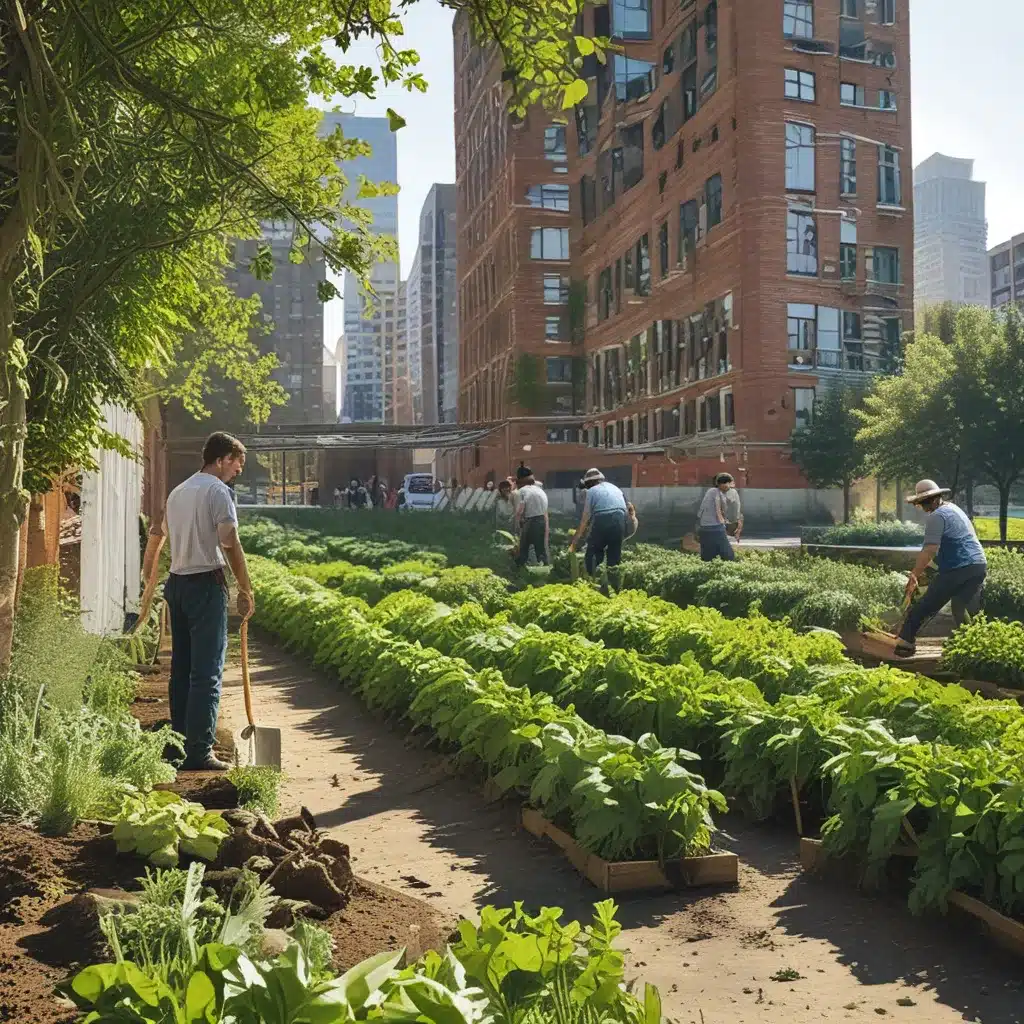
<point x="256" y="745"/>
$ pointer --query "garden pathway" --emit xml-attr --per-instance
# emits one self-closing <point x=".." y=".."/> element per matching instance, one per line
<point x="414" y="826"/>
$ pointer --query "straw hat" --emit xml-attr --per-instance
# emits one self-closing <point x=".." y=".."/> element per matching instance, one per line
<point x="926" y="489"/>
<point x="593" y="476"/>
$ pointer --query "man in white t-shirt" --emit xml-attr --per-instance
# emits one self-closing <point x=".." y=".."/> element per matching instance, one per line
<point x="531" y="512"/>
<point x="202" y="525"/>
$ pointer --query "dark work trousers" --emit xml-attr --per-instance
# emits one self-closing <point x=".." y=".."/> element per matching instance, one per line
<point x="197" y="606"/>
<point x="607" y="532"/>
<point x="961" y="588"/>
<point x="714" y="543"/>
<point x="534" y="534"/>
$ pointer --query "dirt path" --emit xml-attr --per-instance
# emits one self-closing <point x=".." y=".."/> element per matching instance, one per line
<point x="414" y="827"/>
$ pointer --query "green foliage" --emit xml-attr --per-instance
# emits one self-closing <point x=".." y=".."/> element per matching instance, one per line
<point x="865" y="531"/>
<point x="621" y="799"/>
<point x="528" y="389"/>
<point x="1003" y="595"/>
<point x="828" y="451"/>
<point x="987" y="649"/>
<point x="161" y="825"/>
<point x="257" y="787"/>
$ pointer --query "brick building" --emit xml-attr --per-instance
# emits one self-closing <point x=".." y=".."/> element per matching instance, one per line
<point x="519" y="361"/>
<point x="742" y="221"/>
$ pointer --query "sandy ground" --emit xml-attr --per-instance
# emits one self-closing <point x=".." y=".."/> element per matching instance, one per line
<point x="414" y="826"/>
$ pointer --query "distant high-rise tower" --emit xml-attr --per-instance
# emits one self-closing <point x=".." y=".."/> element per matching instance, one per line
<point x="363" y="371"/>
<point x="949" y="233"/>
<point x="431" y="295"/>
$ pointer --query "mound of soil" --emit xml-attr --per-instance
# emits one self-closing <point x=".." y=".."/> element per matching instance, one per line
<point x="41" y="941"/>
<point x="377" y="918"/>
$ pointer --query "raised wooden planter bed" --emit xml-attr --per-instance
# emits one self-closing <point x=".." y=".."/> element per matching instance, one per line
<point x="635" y="875"/>
<point x="1003" y="930"/>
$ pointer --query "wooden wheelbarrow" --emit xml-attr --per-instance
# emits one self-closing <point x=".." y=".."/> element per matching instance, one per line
<point x="254" y="744"/>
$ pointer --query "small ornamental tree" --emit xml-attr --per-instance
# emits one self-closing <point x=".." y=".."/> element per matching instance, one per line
<point x="827" y="450"/>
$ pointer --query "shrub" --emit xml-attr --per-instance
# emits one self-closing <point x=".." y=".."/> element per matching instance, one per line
<point x="869" y="534"/>
<point x="1003" y="596"/>
<point x="987" y="649"/>
<point x="830" y="609"/>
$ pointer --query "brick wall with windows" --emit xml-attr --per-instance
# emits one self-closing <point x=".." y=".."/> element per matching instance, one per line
<point x="513" y="200"/>
<point x="755" y="239"/>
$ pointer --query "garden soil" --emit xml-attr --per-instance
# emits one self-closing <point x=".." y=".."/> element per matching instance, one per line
<point x="419" y="829"/>
<point x="46" y="934"/>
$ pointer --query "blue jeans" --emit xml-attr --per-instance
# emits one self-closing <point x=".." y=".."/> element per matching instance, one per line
<point x="197" y="607"/>
<point x="960" y="588"/>
<point x="714" y="543"/>
<point x="607" y="532"/>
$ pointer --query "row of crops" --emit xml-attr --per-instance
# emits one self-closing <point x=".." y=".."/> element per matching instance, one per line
<point x="602" y="711"/>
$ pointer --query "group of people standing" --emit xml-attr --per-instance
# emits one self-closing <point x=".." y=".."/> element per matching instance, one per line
<point x="375" y="493"/>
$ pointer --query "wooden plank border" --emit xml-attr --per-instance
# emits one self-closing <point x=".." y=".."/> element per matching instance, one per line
<point x="635" y="875"/>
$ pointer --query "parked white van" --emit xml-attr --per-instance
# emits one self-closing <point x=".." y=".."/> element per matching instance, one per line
<point x="419" y="491"/>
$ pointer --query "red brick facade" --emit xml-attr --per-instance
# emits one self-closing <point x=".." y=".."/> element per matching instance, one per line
<point x="517" y="357"/>
<point x="712" y="119"/>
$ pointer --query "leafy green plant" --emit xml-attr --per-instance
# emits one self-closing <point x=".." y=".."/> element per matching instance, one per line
<point x="161" y="825"/>
<point x="987" y="649"/>
<point x="257" y="787"/>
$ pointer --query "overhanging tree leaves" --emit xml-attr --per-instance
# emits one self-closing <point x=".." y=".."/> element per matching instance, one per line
<point x="827" y="450"/>
<point x="94" y="99"/>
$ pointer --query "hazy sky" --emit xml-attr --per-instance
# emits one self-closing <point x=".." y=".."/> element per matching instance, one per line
<point x="963" y="64"/>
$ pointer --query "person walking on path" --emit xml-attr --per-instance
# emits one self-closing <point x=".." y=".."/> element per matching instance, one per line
<point x="605" y="514"/>
<point x="712" y="520"/>
<point x="531" y="506"/>
<point x="202" y="525"/>
<point x="949" y="539"/>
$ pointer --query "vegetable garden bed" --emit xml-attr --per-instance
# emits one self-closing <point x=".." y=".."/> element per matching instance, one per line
<point x="635" y="876"/>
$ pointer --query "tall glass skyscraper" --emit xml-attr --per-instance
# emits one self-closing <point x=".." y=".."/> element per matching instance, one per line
<point x="365" y="340"/>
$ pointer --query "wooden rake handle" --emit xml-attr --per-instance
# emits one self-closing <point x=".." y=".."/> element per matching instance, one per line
<point x="246" y="685"/>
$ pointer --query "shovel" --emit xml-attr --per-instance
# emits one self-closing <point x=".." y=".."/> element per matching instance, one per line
<point x="255" y="744"/>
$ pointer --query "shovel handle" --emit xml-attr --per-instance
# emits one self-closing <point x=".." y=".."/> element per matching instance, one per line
<point x="246" y="687"/>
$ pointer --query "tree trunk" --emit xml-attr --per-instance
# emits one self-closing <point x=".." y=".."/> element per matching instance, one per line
<point x="846" y="501"/>
<point x="1004" y="507"/>
<point x="13" y="499"/>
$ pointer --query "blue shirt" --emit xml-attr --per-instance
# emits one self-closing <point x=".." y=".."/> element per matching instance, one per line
<point x="950" y="528"/>
<point x="605" y="497"/>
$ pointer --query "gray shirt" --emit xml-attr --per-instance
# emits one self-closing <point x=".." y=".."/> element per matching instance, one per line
<point x="195" y="509"/>
<point x="712" y="503"/>
<point x="532" y="500"/>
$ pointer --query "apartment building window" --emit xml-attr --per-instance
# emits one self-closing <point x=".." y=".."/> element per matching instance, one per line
<point x="851" y="95"/>
<point x="552" y="328"/>
<point x="554" y="145"/>
<point x="668" y="60"/>
<point x="728" y="407"/>
<point x="848" y="167"/>
<point x="848" y="249"/>
<point x="689" y="217"/>
<point x="627" y="270"/>
<point x="803" y="404"/>
<point x="604" y="294"/>
<point x="559" y="369"/>
<point x="848" y="9"/>
<point x="549" y="197"/>
<point x="801" y="243"/>
<point x="631" y="19"/>
<point x="885" y="264"/>
<point x="549" y="244"/>
<point x="556" y="290"/>
<point x="643" y="266"/>
<point x="890" y="190"/>
<point x="689" y="90"/>
<point x="886" y="99"/>
<point x="800" y="85"/>
<point x="713" y="199"/>
<point x="801" y="322"/>
<point x="798" y="19"/>
<point x="588" y="198"/>
<point x="634" y="79"/>
<point x="886" y="12"/>
<point x="799" y="157"/>
<point x="617" y="285"/>
<point x="663" y="248"/>
<point x="631" y="154"/>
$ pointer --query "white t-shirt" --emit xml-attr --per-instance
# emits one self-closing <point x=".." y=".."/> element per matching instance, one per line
<point x="533" y="500"/>
<point x="195" y="509"/>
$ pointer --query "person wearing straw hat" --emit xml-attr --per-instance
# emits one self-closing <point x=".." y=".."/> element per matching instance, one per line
<point x="949" y="539"/>
<point x="606" y="514"/>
